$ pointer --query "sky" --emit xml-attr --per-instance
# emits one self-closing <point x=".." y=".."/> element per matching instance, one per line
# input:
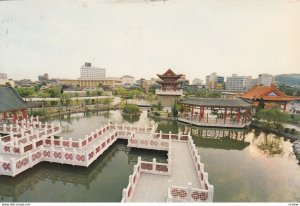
<point x="144" y="38"/>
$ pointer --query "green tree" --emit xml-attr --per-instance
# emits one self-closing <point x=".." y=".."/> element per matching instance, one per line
<point x="131" y="109"/>
<point x="159" y="106"/>
<point x="174" y="109"/>
<point x="25" y="91"/>
<point x="261" y="105"/>
<point x="273" y="117"/>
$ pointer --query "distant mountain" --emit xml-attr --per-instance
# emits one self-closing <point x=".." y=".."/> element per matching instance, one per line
<point x="288" y="79"/>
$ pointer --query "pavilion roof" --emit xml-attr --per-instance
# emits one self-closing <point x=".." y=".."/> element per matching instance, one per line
<point x="217" y="102"/>
<point x="169" y="73"/>
<point x="270" y="93"/>
<point x="10" y="100"/>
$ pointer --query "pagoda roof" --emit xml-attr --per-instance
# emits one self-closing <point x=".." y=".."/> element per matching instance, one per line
<point x="168" y="82"/>
<point x="169" y="73"/>
<point x="10" y="100"/>
<point x="269" y="93"/>
<point x="217" y="102"/>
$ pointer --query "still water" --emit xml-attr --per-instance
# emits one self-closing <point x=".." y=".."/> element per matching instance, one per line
<point x="243" y="165"/>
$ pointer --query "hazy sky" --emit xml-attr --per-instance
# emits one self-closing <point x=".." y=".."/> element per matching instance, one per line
<point x="143" y="38"/>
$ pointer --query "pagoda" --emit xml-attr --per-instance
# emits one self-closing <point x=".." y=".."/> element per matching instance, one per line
<point x="169" y="91"/>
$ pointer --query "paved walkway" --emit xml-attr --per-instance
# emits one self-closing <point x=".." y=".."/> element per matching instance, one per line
<point x="154" y="188"/>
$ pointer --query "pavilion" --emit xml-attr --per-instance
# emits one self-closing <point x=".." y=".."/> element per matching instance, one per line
<point x="11" y="103"/>
<point x="169" y="92"/>
<point x="271" y="96"/>
<point x="228" y="112"/>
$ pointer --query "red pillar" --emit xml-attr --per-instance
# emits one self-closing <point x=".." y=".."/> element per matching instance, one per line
<point x="192" y="110"/>
<point x="185" y="108"/>
<point x="246" y="115"/>
<point x="231" y="112"/>
<point x="238" y="115"/>
<point x="284" y="108"/>
<point x="15" y="116"/>
<point x="163" y="87"/>
<point x="225" y="114"/>
<point x="24" y="114"/>
<point x="5" y="115"/>
<point x="202" y="113"/>
<point x="174" y="87"/>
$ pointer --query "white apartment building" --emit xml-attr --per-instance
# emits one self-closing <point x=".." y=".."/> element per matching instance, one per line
<point x="89" y="72"/>
<point x="197" y="81"/>
<point x="4" y="80"/>
<point x="127" y="79"/>
<point x="212" y="78"/>
<point x="265" y="79"/>
<point x="3" y="76"/>
<point x="237" y="83"/>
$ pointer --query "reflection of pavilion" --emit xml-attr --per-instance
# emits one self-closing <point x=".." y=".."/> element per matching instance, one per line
<point x="16" y="186"/>
<point x="219" y="138"/>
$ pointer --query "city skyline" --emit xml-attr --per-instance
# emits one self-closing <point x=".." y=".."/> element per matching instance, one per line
<point x="144" y="38"/>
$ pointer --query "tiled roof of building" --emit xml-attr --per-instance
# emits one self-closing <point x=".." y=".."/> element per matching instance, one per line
<point x="217" y="102"/>
<point x="10" y="100"/>
<point x="169" y="73"/>
<point x="270" y="93"/>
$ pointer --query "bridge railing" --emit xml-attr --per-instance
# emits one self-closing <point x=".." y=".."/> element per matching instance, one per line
<point x="202" y="176"/>
<point x="131" y="128"/>
<point x="170" y="136"/>
<point x="21" y="143"/>
<point x="189" y="194"/>
<point x="149" y="143"/>
<point x="77" y="144"/>
<point x="132" y="182"/>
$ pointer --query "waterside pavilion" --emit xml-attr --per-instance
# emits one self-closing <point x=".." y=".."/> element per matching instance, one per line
<point x="271" y="96"/>
<point x="11" y="104"/>
<point x="230" y="112"/>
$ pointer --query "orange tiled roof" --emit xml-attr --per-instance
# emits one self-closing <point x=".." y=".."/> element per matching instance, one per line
<point x="270" y="93"/>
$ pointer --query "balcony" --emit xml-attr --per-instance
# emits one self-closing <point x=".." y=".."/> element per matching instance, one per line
<point x="169" y="92"/>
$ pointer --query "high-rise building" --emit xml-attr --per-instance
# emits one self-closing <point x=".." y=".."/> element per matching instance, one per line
<point x="3" y="76"/>
<point x="197" y="81"/>
<point x="237" y="83"/>
<point x="265" y="79"/>
<point x="89" y="72"/>
<point x="215" y="82"/>
<point x="44" y="77"/>
<point x="127" y="79"/>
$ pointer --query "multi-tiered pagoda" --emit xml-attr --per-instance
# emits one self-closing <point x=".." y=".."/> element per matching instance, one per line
<point x="169" y="91"/>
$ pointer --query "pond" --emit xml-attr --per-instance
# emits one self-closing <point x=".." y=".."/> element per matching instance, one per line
<point x="243" y="165"/>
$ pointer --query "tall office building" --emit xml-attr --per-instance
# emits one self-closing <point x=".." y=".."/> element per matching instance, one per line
<point x="3" y="76"/>
<point x="89" y="72"/>
<point x="237" y="83"/>
<point x="265" y="79"/>
<point x="215" y="82"/>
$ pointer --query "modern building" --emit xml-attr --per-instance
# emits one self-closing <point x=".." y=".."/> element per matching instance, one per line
<point x="214" y="82"/>
<point x="128" y="80"/>
<point x="237" y="83"/>
<point x="89" y="72"/>
<point x="3" y="76"/>
<point x="108" y="82"/>
<point x="198" y="82"/>
<point x="44" y="77"/>
<point x="265" y="79"/>
<point x="5" y="81"/>
<point x="169" y="92"/>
